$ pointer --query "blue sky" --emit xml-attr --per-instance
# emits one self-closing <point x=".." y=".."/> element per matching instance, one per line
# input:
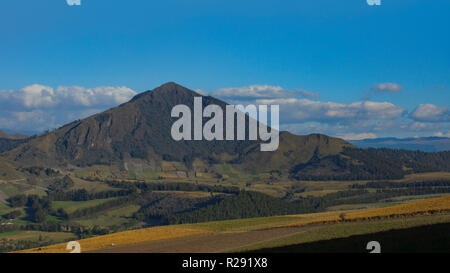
<point x="375" y="70"/>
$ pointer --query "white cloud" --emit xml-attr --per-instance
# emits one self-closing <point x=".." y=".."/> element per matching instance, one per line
<point x="305" y="116"/>
<point x="35" y="95"/>
<point x="431" y="113"/>
<point x="297" y="110"/>
<point x="381" y="128"/>
<point x="253" y="92"/>
<point x="417" y="126"/>
<point x="294" y="110"/>
<point x="307" y="94"/>
<point x="38" y="107"/>
<point x="35" y="120"/>
<point x="41" y="96"/>
<point x="387" y="87"/>
<point x="104" y="95"/>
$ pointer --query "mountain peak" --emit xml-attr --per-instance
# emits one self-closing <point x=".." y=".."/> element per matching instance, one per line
<point x="170" y="85"/>
<point x="170" y="89"/>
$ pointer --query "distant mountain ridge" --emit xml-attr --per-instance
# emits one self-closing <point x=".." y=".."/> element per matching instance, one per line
<point x="8" y="142"/>
<point x="11" y="136"/>
<point x="426" y="144"/>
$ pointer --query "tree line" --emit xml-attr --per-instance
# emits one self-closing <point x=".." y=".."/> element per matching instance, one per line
<point x="174" y="186"/>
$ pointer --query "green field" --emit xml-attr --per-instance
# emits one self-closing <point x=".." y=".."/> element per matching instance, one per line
<point x="4" y="208"/>
<point x="71" y="206"/>
<point x="113" y="217"/>
<point x="34" y="235"/>
<point x="12" y="189"/>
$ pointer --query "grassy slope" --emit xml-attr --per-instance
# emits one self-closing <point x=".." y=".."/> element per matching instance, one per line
<point x="71" y="206"/>
<point x="289" y="152"/>
<point x="34" y="235"/>
<point x="8" y="171"/>
<point x="111" y="217"/>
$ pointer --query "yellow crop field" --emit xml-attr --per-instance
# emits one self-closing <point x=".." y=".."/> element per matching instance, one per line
<point x="424" y="206"/>
<point x="123" y="238"/>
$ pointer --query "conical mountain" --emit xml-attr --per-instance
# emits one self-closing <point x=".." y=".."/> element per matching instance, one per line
<point x="140" y="129"/>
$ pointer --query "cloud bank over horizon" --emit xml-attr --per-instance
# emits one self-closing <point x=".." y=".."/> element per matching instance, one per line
<point x="301" y="112"/>
<point x="36" y="108"/>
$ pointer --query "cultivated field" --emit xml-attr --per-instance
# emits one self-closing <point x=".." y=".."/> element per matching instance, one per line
<point x="124" y="238"/>
<point x="266" y="232"/>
